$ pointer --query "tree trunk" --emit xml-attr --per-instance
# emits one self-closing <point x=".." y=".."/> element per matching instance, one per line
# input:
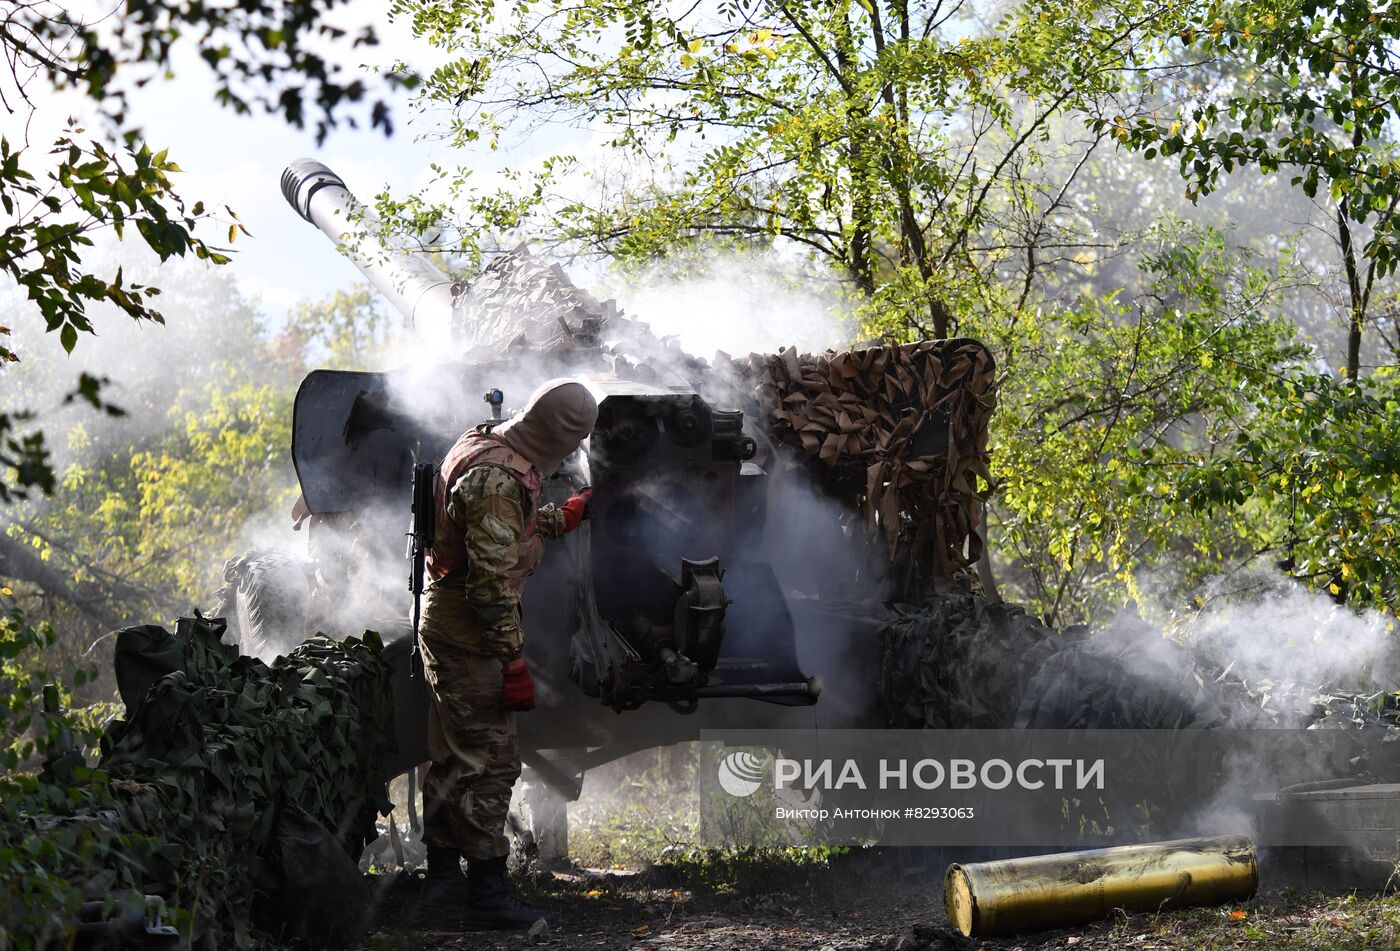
<point x="19" y="562"/>
<point x="913" y="245"/>
<point x="862" y="201"/>
<point x="1357" y="310"/>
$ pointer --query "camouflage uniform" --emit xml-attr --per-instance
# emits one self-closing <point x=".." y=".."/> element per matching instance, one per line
<point x="471" y="624"/>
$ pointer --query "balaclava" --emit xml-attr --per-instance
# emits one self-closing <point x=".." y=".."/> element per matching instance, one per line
<point x="557" y="418"/>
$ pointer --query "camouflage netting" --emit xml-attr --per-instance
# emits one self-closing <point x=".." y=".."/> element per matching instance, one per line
<point x="897" y="433"/>
<point x="944" y="663"/>
<point x="960" y="660"/>
<point x="1129" y="677"/>
<point x="521" y="303"/>
<point x="243" y="792"/>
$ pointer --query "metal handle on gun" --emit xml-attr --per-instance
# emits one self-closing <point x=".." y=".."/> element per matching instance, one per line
<point x="424" y="528"/>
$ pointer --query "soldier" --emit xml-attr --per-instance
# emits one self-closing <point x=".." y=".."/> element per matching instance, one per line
<point x="488" y="541"/>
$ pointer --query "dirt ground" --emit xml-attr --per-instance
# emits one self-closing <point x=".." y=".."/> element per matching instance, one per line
<point x="858" y="906"/>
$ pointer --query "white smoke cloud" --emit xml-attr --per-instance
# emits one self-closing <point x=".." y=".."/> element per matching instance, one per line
<point x="1264" y="626"/>
<point x="211" y="325"/>
<point x="1287" y="646"/>
<point x="738" y="304"/>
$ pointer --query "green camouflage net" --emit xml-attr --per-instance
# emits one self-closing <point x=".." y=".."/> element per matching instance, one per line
<point x="960" y="660"/>
<point x="213" y="750"/>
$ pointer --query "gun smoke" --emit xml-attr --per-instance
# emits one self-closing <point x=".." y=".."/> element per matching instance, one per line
<point x="1272" y="656"/>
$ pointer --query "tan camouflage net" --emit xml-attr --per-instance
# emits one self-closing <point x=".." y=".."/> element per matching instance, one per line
<point x="870" y="423"/>
<point x="523" y="302"/>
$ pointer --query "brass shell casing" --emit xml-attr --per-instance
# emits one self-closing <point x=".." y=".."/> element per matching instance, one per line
<point x="987" y="899"/>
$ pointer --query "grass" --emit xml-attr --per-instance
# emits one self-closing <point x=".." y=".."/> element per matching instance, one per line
<point x="637" y="810"/>
<point x="1294" y="920"/>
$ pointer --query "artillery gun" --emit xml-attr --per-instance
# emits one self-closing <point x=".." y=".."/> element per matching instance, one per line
<point x="697" y="594"/>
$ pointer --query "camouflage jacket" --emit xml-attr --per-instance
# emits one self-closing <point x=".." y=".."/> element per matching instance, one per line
<point x="495" y="514"/>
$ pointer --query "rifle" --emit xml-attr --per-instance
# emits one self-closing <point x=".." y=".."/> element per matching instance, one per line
<point x="421" y="535"/>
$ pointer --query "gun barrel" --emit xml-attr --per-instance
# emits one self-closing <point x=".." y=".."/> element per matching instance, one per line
<point x="406" y="276"/>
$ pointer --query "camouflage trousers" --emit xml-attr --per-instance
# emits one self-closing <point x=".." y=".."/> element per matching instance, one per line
<point x="472" y="746"/>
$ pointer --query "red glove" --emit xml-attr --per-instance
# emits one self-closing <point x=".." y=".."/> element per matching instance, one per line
<point x="576" y="509"/>
<point x="517" y="687"/>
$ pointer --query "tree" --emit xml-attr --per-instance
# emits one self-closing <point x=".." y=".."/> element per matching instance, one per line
<point x="1115" y="400"/>
<point x="1313" y="92"/>
<point x="351" y="329"/>
<point x="147" y="506"/>
<point x="1308" y="90"/>
<point x="259" y="53"/>
<point x="1315" y="478"/>
<point x="880" y="137"/>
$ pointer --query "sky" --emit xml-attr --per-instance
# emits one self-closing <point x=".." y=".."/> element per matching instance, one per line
<point x="237" y="160"/>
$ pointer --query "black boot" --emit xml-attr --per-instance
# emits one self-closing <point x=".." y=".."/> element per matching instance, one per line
<point x="490" y="901"/>
<point x="445" y="891"/>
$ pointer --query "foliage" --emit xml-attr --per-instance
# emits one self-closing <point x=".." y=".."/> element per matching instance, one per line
<point x="260" y="54"/>
<point x="1308" y="90"/>
<point x="25" y="455"/>
<point x="1109" y="406"/>
<point x="654" y="817"/>
<point x="1288" y="920"/>
<point x="843" y="130"/>
<point x="1319" y="455"/>
<point x="1312" y="92"/>
<point x="349" y="329"/>
<point x="750" y="869"/>
<point x="179" y="503"/>
<point x="147" y="507"/>
<point x="38" y="904"/>
<point x="90" y="189"/>
<point x="1316" y="96"/>
<point x="41" y="250"/>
